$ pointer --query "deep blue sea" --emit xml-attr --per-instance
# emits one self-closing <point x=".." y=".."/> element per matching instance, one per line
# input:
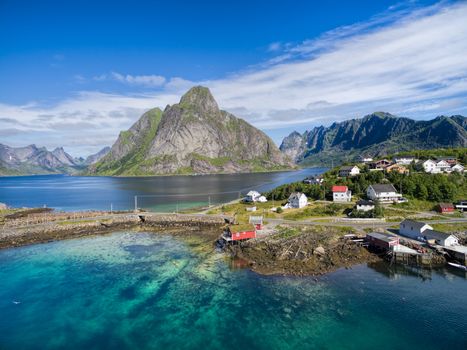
<point x="137" y="290"/>
<point x="162" y="193"/>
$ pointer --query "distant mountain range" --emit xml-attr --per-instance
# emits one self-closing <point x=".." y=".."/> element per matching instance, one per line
<point x="374" y="135"/>
<point x="191" y="137"/>
<point x="31" y="160"/>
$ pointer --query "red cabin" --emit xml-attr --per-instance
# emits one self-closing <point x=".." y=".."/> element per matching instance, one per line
<point x="241" y="232"/>
<point x="445" y="208"/>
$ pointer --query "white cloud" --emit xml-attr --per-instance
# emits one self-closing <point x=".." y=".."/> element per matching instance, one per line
<point x="145" y="80"/>
<point x="409" y="61"/>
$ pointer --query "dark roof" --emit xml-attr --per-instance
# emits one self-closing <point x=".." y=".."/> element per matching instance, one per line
<point x="416" y="224"/>
<point x="382" y="236"/>
<point x="432" y="234"/>
<point x="446" y="205"/>
<point x="383" y="188"/>
<point x="347" y="167"/>
<point x="365" y="202"/>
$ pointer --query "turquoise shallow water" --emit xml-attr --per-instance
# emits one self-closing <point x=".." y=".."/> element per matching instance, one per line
<point x="151" y="291"/>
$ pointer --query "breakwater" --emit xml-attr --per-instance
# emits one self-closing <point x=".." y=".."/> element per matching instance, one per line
<point x="24" y="231"/>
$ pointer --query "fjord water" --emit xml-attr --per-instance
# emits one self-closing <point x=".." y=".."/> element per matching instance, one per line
<point x="163" y="193"/>
<point x="137" y="290"/>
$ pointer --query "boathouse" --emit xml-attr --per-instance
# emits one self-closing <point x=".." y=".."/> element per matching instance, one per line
<point x="445" y="208"/>
<point x="413" y="229"/>
<point x="241" y="232"/>
<point x="381" y="241"/>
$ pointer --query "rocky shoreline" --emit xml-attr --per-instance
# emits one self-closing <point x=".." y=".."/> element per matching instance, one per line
<point x="60" y="230"/>
<point x="301" y="252"/>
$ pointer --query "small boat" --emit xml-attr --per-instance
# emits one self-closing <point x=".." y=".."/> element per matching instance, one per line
<point x="459" y="266"/>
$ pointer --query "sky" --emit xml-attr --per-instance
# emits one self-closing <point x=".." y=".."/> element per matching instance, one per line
<point x="74" y="74"/>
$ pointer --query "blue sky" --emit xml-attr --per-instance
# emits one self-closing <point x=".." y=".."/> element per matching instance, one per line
<point x="76" y="73"/>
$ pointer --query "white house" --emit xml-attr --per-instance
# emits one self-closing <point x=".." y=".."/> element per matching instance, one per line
<point x="351" y="170"/>
<point x="297" y="200"/>
<point x="405" y="160"/>
<point x="262" y="199"/>
<point x="430" y="166"/>
<point x="366" y="159"/>
<point x="384" y="193"/>
<point x="443" y="166"/>
<point x="413" y="229"/>
<point x="341" y="194"/>
<point x="252" y="196"/>
<point x="365" y="205"/>
<point x="458" y="168"/>
<point x="441" y="238"/>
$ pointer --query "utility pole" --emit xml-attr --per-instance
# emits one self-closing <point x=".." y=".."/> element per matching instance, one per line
<point x="209" y="201"/>
<point x="136" y="204"/>
<point x="111" y="208"/>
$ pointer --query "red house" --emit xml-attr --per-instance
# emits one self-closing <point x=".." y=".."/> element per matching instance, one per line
<point x="445" y="208"/>
<point x="381" y="241"/>
<point x="241" y="232"/>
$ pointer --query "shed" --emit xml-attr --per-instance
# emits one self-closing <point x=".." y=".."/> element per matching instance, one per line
<point x="413" y="229"/>
<point x="445" y="208"/>
<point x="257" y="221"/>
<point x="441" y="238"/>
<point x="381" y="241"/>
<point x="242" y="231"/>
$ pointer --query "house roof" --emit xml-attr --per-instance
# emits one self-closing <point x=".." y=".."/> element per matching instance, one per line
<point x="365" y="202"/>
<point x="446" y="205"/>
<point x="378" y="188"/>
<point x="348" y="167"/>
<point x="253" y="193"/>
<point x="382" y="236"/>
<point x="296" y="195"/>
<point x="416" y="224"/>
<point x="339" y="188"/>
<point x="433" y="234"/>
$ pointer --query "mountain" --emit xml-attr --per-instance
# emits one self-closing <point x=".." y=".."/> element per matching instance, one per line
<point x="374" y="135"/>
<point x="34" y="160"/>
<point x="94" y="158"/>
<point x="191" y="137"/>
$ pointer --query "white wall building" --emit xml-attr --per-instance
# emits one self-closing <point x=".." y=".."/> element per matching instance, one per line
<point x="443" y="166"/>
<point x="413" y="229"/>
<point x="441" y="238"/>
<point x="351" y="170"/>
<point x="341" y="194"/>
<point x="407" y="160"/>
<point x="297" y="200"/>
<point x="384" y="193"/>
<point x="430" y="166"/>
<point x="365" y="205"/>
<point x="458" y="168"/>
<point x="252" y="196"/>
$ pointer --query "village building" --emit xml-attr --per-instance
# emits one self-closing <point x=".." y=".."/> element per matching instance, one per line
<point x="429" y="166"/>
<point x="366" y="159"/>
<point x="297" y="200"/>
<point x="413" y="229"/>
<point x="441" y="238"/>
<point x="240" y="232"/>
<point x="365" y="205"/>
<point x="380" y="164"/>
<point x="381" y="241"/>
<point x="450" y="160"/>
<point x="256" y="221"/>
<point x="384" y="193"/>
<point x="397" y="168"/>
<point x="443" y="166"/>
<point x="252" y="196"/>
<point x="458" y="168"/>
<point x="314" y="180"/>
<point x="262" y="199"/>
<point x="462" y="205"/>
<point x="350" y="170"/>
<point x="341" y="194"/>
<point x="445" y="208"/>
<point x="405" y="160"/>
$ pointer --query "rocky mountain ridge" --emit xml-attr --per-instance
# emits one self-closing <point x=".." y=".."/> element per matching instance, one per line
<point x="193" y="136"/>
<point x="376" y="134"/>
